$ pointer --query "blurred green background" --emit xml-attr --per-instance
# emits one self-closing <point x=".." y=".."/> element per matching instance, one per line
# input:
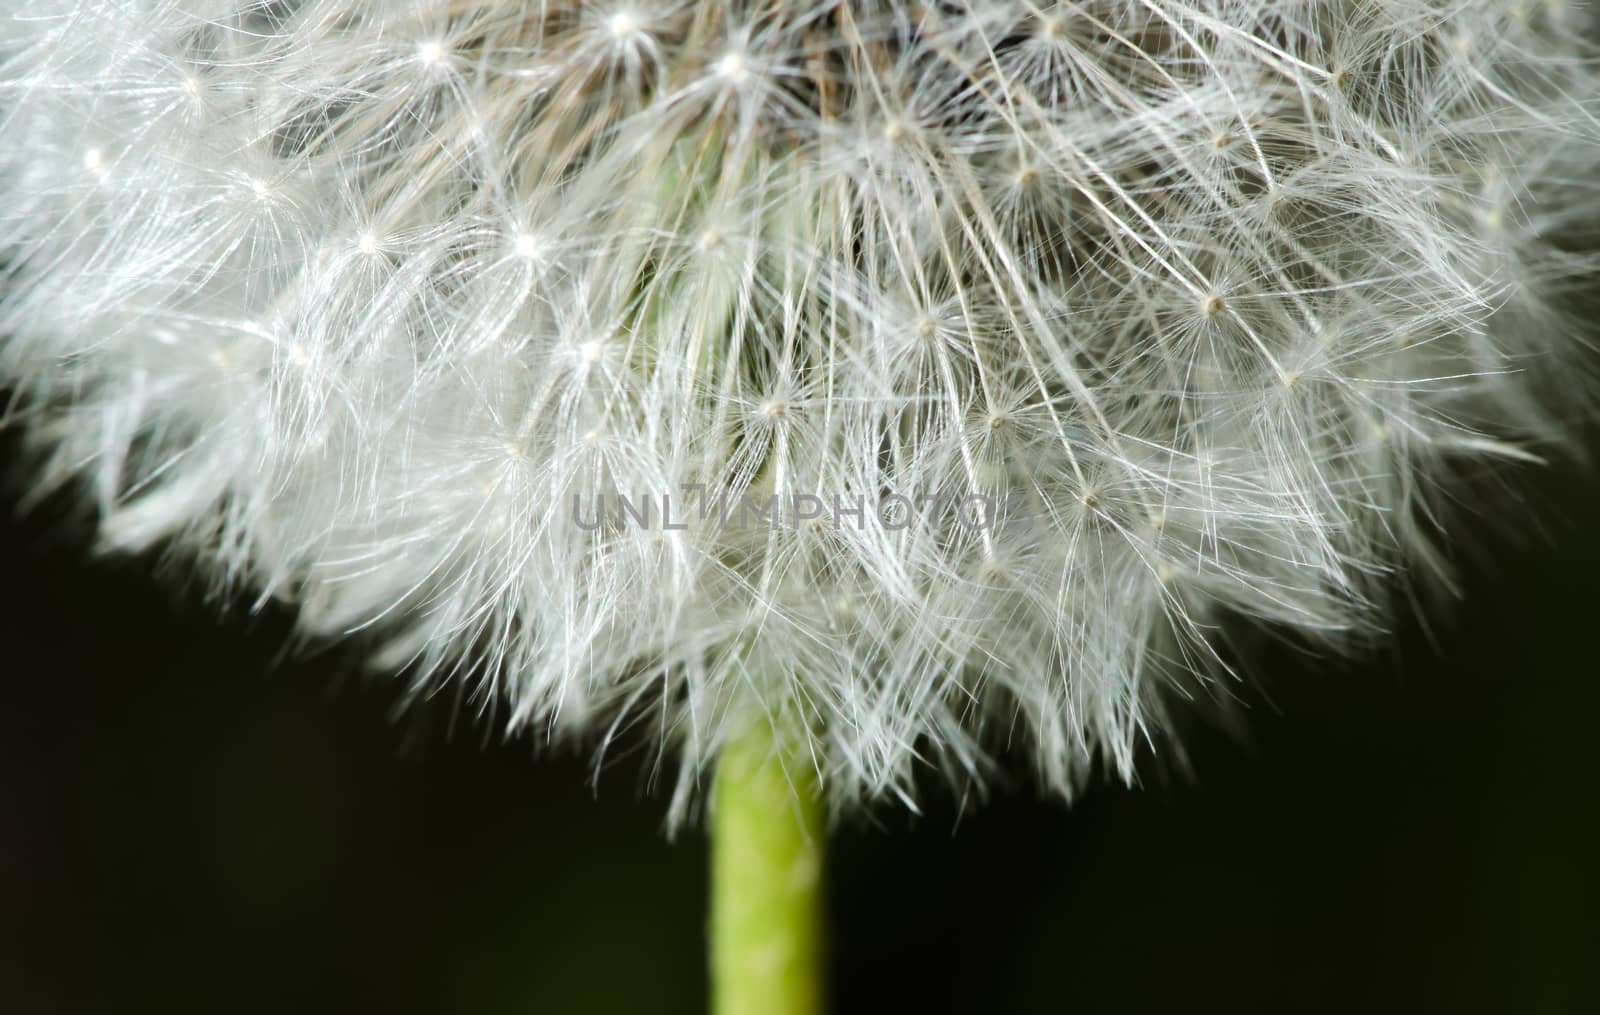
<point x="192" y="820"/>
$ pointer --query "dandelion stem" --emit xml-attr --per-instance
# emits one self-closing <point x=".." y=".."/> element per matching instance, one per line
<point x="766" y="859"/>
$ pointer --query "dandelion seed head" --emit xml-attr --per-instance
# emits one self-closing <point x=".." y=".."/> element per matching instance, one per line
<point x="1197" y="306"/>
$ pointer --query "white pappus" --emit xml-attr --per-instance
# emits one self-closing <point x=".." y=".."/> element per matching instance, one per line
<point x="380" y="306"/>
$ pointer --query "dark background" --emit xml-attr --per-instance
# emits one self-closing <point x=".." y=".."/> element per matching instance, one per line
<point x="191" y="821"/>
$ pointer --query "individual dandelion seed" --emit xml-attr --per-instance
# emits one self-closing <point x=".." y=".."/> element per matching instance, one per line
<point x="350" y="300"/>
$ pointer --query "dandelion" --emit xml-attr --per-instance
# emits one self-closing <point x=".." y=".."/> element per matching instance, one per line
<point x="348" y="301"/>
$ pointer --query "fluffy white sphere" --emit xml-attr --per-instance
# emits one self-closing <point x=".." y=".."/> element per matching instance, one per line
<point x="961" y="363"/>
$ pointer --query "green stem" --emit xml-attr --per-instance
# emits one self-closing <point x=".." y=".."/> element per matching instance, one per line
<point x="766" y="866"/>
